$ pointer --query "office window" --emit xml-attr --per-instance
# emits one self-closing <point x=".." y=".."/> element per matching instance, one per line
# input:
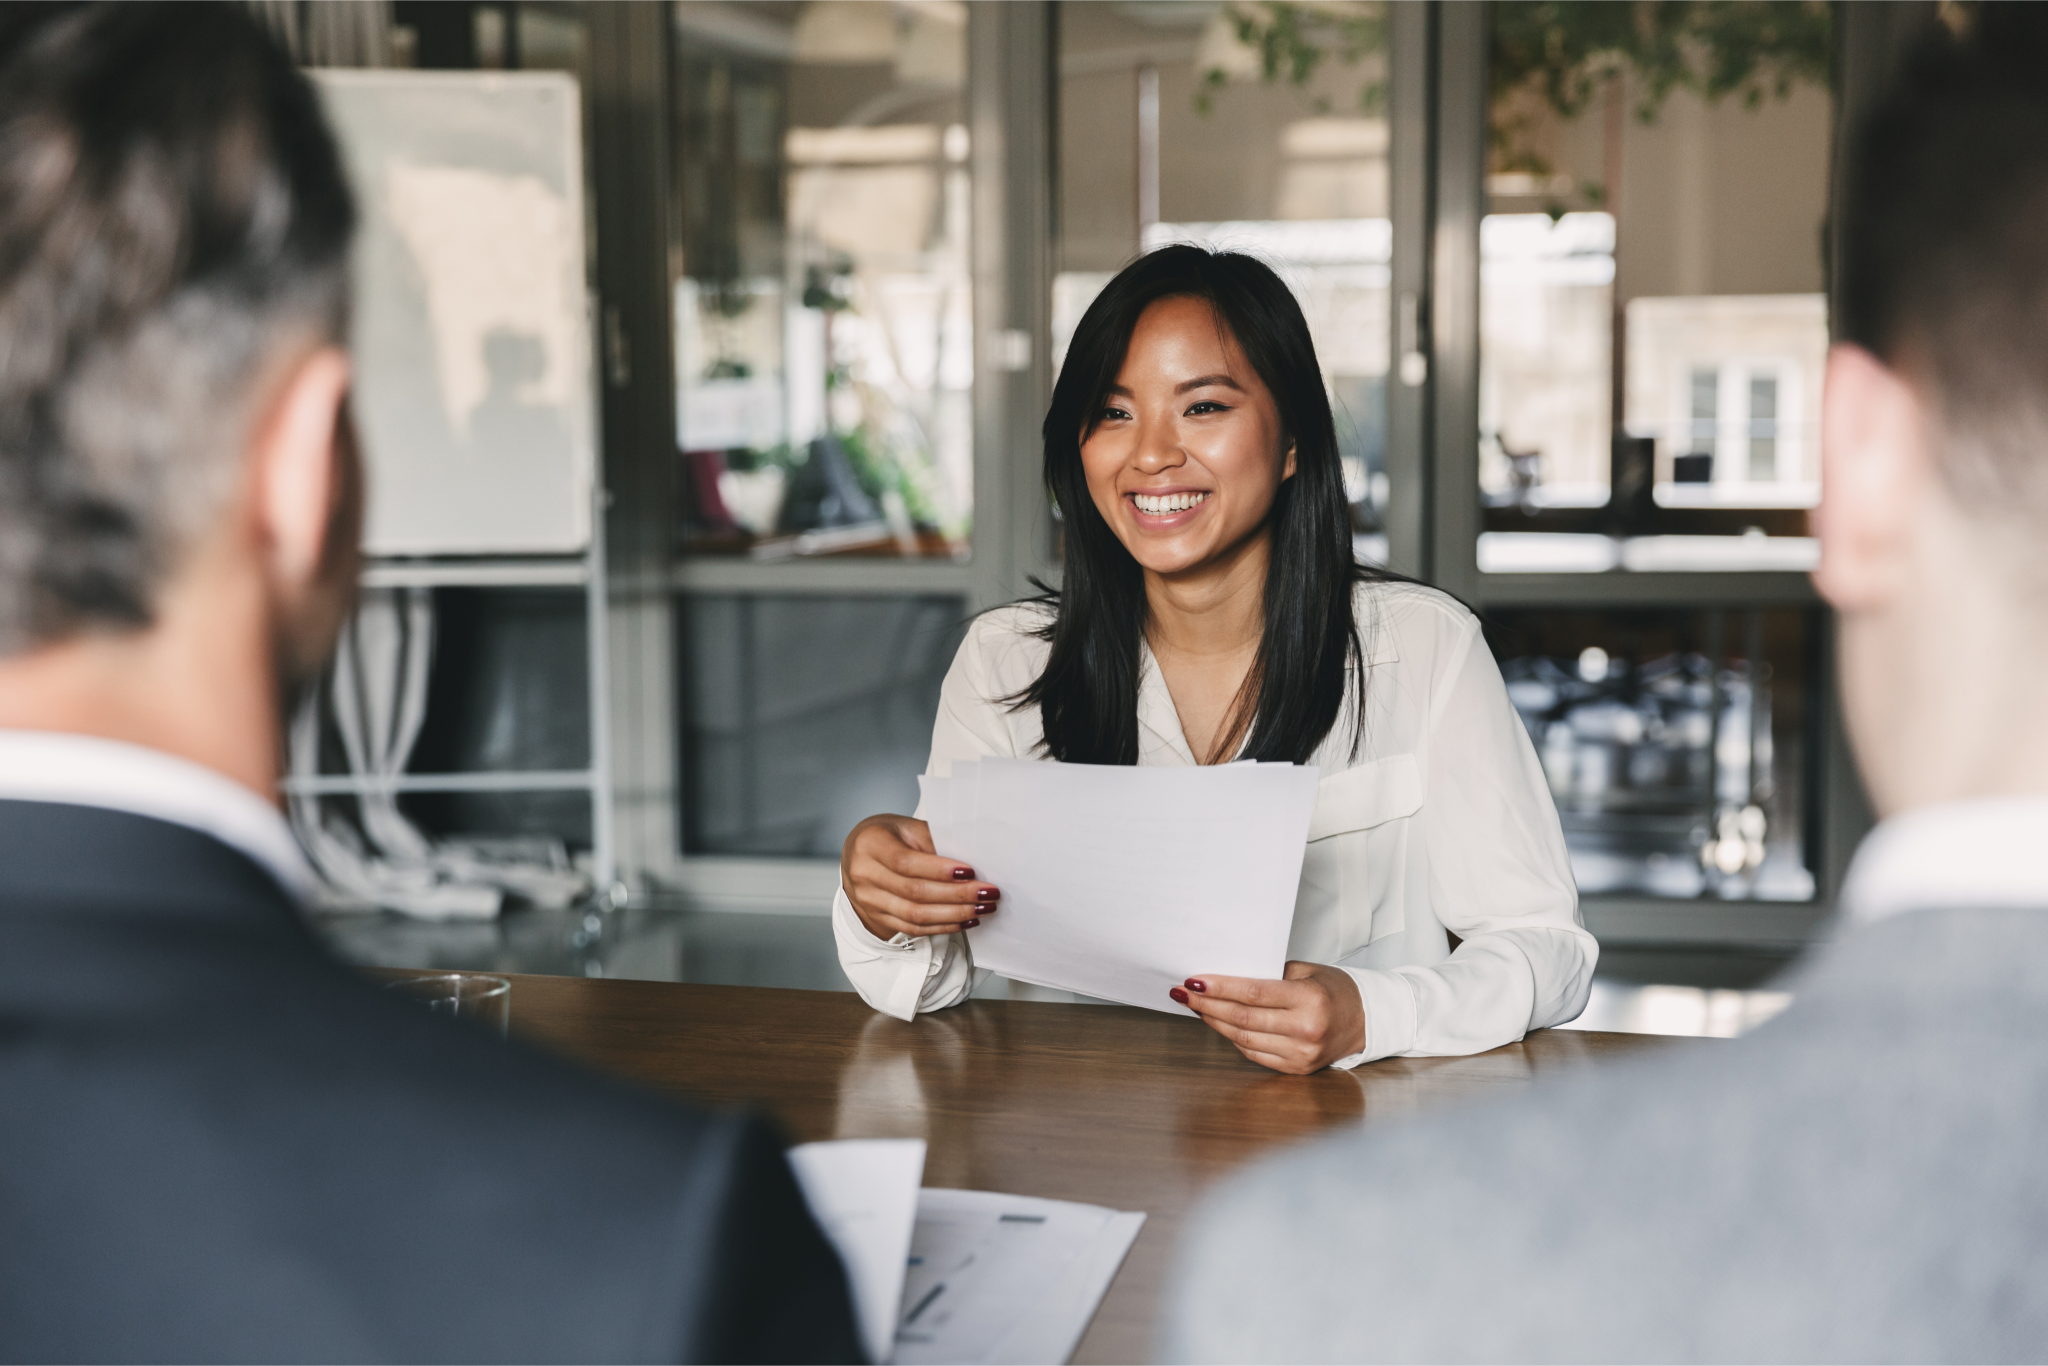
<point x="1706" y="409"/>
<point x="822" y="308"/>
<point x="502" y="687"/>
<point x="1675" y="743"/>
<point x="1763" y="429"/>
<point x="509" y="692"/>
<point x="1740" y="428"/>
<point x="1652" y="318"/>
<point x="1737" y="438"/>
<point x="805" y="715"/>
<point x="1172" y="129"/>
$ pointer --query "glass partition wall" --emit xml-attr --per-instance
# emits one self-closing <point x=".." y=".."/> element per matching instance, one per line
<point x="1675" y="741"/>
<point x="1630" y="329"/>
<point x="823" y="311"/>
<point x="1574" y="354"/>
<point x="823" y="317"/>
<point x="1653" y="322"/>
<point x="508" y="692"/>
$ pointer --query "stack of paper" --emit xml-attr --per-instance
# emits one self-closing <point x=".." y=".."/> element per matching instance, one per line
<point x="958" y="1276"/>
<point x="1122" y="882"/>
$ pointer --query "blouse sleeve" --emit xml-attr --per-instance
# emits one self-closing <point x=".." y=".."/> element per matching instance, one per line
<point x="1499" y="879"/>
<point x="907" y="975"/>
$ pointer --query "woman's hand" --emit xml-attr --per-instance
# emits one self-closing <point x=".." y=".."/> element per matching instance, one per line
<point x="1300" y="1024"/>
<point x="898" y="884"/>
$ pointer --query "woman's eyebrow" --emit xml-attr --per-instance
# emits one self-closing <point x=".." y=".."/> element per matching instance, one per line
<point x="1205" y="381"/>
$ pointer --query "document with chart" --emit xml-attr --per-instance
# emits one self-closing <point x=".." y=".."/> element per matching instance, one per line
<point x="1122" y="882"/>
<point x="953" y="1275"/>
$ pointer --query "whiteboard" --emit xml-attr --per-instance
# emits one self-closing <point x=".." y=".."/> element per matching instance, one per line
<point x="471" y="330"/>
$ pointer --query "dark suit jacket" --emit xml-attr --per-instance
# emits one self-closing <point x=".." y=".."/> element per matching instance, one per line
<point x="1861" y="1179"/>
<point x="217" y="1143"/>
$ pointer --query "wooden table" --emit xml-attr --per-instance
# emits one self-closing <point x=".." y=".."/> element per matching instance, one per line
<point x="1110" y="1105"/>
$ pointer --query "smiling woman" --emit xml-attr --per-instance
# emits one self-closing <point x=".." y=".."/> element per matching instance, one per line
<point x="1246" y="597"/>
<point x="1211" y="610"/>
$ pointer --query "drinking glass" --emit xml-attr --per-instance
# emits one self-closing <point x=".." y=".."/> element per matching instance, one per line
<point x="473" y="996"/>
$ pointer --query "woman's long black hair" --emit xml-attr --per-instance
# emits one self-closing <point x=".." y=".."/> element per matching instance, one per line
<point x="1088" y="694"/>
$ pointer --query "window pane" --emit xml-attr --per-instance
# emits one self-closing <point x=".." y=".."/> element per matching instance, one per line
<point x="1706" y="407"/>
<point x="509" y="684"/>
<point x="1674" y="743"/>
<point x="1170" y="131"/>
<point x="510" y="690"/>
<point x="805" y="715"/>
<point x="823" y="344"/>
<point x="1651" y="290"/>
<point x="1763" y="428"/>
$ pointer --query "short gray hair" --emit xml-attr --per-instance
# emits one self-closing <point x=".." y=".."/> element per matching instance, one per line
<point x="173" y="210"/>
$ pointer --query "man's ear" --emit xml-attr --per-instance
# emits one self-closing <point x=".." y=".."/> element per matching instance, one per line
<point x="295" y="468"/>
<point x="1875" y="462"/>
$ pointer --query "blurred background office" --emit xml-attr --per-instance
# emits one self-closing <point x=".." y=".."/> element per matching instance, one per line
<point x="1566" y="265"/>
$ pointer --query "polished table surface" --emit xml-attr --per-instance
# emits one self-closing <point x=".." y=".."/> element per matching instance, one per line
<point x="1111" y="1105"/>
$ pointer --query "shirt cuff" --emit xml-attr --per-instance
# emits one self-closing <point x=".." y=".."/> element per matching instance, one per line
<point x="888" y="974"/>
<point x="1389" y="1016"/>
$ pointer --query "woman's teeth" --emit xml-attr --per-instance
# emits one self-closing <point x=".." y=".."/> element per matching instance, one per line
<point x="1157" y="504"/>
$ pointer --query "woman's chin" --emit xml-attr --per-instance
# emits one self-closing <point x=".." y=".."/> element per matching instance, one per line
<point x="1171" y="559"/>
<point x="1184" y="552"/>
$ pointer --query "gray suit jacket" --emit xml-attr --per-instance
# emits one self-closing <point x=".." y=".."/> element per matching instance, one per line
<point x="1865" y="1178"/>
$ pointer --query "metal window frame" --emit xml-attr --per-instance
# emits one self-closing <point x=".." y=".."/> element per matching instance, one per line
<point x="1411" y="189"/>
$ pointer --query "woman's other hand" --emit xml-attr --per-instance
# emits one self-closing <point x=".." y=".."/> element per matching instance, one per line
<point x="1300" y="1024"/>
<point x="899" y="884"/>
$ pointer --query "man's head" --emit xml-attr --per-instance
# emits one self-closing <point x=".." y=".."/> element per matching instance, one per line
<point x="1935" y="421"/>
<point x="174" y="230"/>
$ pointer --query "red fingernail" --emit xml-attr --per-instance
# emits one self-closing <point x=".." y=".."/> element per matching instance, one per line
<point x="971" y="924"/>
<point x="963" y="875"/>
<point x="1177" y="994"/>
<point x="987" y="894"/>
<point x="1197" y="984"/>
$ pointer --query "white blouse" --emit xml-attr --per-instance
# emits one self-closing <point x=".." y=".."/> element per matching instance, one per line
<point x="1440" y="820"/>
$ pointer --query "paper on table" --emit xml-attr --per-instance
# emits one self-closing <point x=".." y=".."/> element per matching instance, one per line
<point x="1121" y="882"/>
<point x="1006" y="1278"/>
<point x="863" y="1193"/>
<point x="948" y="1275"/>
<point x="1054" y="1330"/>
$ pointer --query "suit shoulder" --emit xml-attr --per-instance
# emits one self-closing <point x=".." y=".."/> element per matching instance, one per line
<point x="1617" y="1216"/>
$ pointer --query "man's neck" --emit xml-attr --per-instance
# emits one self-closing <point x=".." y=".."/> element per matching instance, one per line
<point x="1945" y="684"/>
<point x="198" y="683"/>
<point x="1982" y="732"/>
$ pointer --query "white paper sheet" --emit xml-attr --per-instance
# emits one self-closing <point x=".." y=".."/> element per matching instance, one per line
<point x="1054" y="1329"/>
<point x="958" y="1276"/>
<point x="863" y="1193"/>
<point x="1122" y="882"/>
<point x="1006" y="1278"/>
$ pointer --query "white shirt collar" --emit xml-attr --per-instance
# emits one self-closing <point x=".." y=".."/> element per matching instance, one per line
<point x="85" y="770"/>
<point x="1157" y="714"/>
<point x="1982" y="852"/>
